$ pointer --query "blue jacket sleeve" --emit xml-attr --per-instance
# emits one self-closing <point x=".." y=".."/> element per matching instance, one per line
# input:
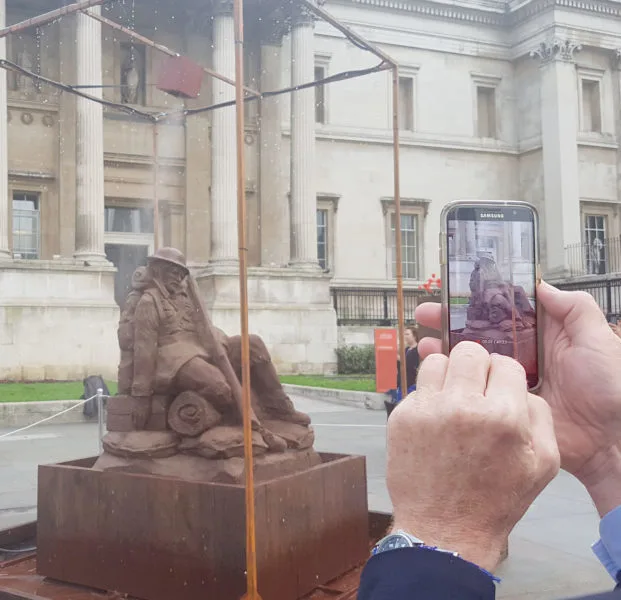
<point x="412" y="573"/>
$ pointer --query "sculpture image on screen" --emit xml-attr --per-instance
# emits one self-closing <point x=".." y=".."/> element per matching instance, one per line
<point x="491" y="289"/>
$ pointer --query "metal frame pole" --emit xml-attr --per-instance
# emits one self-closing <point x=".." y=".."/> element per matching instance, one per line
<point x="50" y="16"/>
<point x="398" y="247"/>
<point x="252" y="592"/>
<point x="156" y="202"/>
<point x="161" y="48"/>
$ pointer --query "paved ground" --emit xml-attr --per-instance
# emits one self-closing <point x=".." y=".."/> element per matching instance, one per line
<point x="550" y="554"/>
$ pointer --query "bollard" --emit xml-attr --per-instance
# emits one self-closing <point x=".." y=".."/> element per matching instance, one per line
<point x="100" y="418"/>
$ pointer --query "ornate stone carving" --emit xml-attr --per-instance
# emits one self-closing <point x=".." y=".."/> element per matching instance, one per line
<point x="132" y="72"/>
<point x="27" y="118"/>
<point x="556" y="49"/>
<point x="47" y="120"/>
<point x="616" y="59"/>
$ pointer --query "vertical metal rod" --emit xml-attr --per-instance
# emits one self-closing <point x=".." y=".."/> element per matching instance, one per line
<point x="398" y="249"/>
<point x="252" y="592"/>
<point x="100" y="418"/>
<point x="156" y="202"/>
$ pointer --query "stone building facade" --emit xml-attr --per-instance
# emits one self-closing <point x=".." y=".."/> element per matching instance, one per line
<point x="499" y="100"/>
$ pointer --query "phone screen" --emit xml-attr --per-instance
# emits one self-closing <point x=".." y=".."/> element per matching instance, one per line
<point x="492" y="273"/>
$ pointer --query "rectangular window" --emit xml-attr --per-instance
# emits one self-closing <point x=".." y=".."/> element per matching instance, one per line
<point x="595" y="227"/>
<point x="409" y="240"/>
<point x="591" y="106"/>
<point x="320" y="96"/>
<point x="322" y="238"/>
<point x="26" y="225"/>
<point x="486" y="112"/>
<point x="123" y="219"/>
<point x="406" y="103"/>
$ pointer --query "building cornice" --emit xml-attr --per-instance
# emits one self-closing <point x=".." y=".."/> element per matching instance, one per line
<point x="502" y="16"/>
<point x="438" y="11"/>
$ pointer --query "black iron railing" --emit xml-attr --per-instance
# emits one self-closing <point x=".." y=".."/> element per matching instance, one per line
<point x="373" y="306"/>
<point x="605" y="290"/>
<point x="598" y="257"/>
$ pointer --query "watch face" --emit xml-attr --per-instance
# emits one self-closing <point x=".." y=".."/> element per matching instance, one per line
<point x="394" y="542"/>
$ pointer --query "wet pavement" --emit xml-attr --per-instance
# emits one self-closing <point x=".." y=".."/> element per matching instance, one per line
<point x="549" y="552"/>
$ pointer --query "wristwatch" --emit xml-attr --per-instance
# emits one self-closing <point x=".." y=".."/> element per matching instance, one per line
<point x="402" y="539"/>
<point x="397" y="540"/>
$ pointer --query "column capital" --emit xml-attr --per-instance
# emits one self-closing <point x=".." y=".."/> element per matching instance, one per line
<point x="556" y="49"/>
<point x="222" y="7"/>
<point x="274" y="29"/>
<point x="616" y="59"/>
<point x="301" y="15"/>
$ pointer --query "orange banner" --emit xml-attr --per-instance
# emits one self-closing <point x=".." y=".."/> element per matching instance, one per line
<point x="385" y="359"/>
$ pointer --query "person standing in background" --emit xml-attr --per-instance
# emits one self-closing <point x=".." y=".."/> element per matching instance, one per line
<point x="412" y="358"/>
<point x="412" y="362"/>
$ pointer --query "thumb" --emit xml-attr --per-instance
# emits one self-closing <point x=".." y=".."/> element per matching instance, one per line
<point x="577" y="311"/>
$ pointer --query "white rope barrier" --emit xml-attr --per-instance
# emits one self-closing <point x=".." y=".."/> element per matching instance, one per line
<point x="62" y="412"/>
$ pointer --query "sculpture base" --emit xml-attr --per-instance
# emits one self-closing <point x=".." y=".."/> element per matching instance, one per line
<point x="159" y="538"/>
<point x="229" y="470"/>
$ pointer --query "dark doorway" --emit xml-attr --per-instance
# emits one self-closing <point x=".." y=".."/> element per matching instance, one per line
<point x="126" y="258"/>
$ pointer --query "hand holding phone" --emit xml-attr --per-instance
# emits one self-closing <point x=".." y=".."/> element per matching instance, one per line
<point x="490" y="261"/>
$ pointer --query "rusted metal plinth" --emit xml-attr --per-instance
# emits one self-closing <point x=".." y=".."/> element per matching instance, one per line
<point x="19" y="579"/>
<point x="160" y="538"/>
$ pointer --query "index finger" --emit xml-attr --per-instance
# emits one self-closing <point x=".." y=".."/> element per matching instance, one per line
<point x="429" y="314"/>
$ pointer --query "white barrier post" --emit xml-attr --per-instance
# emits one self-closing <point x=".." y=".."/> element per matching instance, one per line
<point x="100" y="418"/>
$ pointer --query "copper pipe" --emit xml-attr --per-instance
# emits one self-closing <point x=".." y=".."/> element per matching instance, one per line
<point x="252" y="592"/>
<point x="161" y="48"/>
<point x="342" y="76"/>
<point x="156" y="202"/>
<point x="398" y="248"/>
<point x="50" y="16"/>
<point x="349" y="33"/>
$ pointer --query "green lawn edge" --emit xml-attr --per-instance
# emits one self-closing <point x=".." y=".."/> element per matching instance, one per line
<point x="72" y="390"/>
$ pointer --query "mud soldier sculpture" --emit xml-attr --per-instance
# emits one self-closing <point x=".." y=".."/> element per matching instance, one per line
<point x="179" y="377"/>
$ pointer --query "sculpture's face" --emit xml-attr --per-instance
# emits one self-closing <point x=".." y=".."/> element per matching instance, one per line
<point x="171" y="276"/>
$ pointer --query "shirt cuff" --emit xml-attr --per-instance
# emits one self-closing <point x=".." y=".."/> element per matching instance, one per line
<point x="608" y="547"/>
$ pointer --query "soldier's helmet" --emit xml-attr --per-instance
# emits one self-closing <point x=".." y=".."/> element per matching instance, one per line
<point x="171" y="256"/>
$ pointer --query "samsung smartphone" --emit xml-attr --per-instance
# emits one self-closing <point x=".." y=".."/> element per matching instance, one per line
<point x="490" y="261"/>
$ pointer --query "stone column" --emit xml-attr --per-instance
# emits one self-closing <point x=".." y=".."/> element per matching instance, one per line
<point x="223" y="152"/>
<point x="303" y="190"/>
<point x="4" y="162"/>
<point x="559" y="128"/>
<point x="616" y="69"/>
<point x="274" y="208"/>
<point x="89" y="242"/>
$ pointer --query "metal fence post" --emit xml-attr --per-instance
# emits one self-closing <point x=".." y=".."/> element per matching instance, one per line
<point x="385" y="294"/>
<point x="608" y="299"/>
<point x="100" y="418"/>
